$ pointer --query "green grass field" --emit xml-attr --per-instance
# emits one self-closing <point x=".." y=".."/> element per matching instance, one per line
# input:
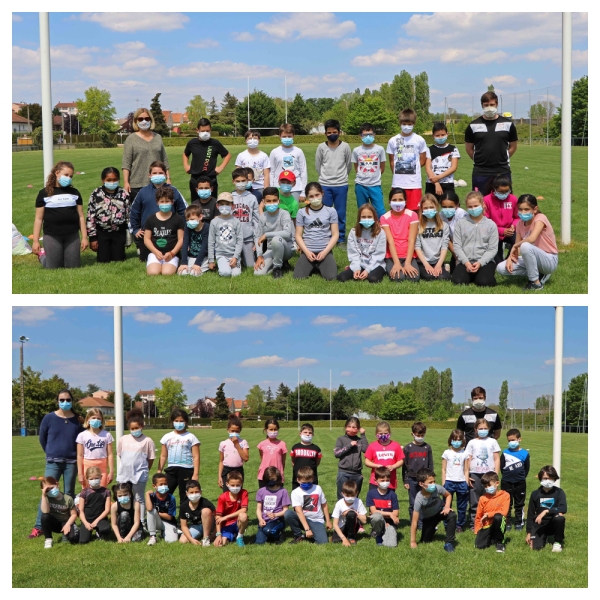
<point x="541" y="178"/>
<point x="107" y="564"/>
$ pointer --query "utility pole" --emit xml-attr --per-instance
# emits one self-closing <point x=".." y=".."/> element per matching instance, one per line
<point x="23" y="339"/>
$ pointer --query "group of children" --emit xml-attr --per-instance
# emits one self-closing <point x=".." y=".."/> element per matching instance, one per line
<point x="469" y="470"/>
<point x="274" y="212"/>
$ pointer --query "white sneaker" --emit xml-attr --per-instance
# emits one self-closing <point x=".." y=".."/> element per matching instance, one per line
<point x="556" y="547"/>
<point x="152" y="541"/>
<point x="206" y="542"/>
<point x="48" y="543"/>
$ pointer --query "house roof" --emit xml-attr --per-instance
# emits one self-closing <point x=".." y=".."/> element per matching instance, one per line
<point x="66" y="105"/>
<point x="19" y="119"/>
<point x="146" y="392"/>
<point x="91" y="402"/>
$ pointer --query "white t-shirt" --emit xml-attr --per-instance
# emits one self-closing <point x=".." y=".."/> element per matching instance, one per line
<point x="310" y="502"/>
<point x="481" y="452"/>
<point x="455" y="464"/>
<point x="289" y="159"/>
<point x="442" y="161"/>
<point x="407" y="156"/>
<point x="179" y="448"/>
<point x="368" y="161"/>
<point x="94" y="446"/>
<point x="258" y="163"/>
<point x="340" y="506"/>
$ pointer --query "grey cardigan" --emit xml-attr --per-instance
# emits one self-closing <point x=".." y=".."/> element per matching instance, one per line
<point x="138" y="155"/>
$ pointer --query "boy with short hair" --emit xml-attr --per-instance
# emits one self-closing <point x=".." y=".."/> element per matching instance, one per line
<point x="194" y="252"/>
<point x="232" y="512"/>
<point x="333" y="161"/>
<point x="225" y="239"/>
<point x="441" y="163"/>
<point x="287" y="180"/>
<point x="310" y="514"/>
<point x="383" y="505"/>
<point x="407" y="153"/>
<point x="245" y="210"/>
<point x="305" y="454"/>
<point x="369" y="163"/>
<point x="58" y="513"/>
<point x="256" y="193"/>
<point x="490" y="520"/>
<point x="430" y="507"/>
<point x="258" y="161"/>
<point x="160" y="510"/>
<point x="347" y="514"/>
<point x="514" y="466"/>
<point x="288" y="157"/>
<point x="196" y="515"/>
<point x="206" y="201"/>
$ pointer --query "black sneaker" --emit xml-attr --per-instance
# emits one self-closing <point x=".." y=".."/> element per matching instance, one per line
<point x="286" y="266"/>
<point x="279" y="540"/>
<point x="500" y="548"/>
<point x="297" y="540"/>
<point x="277" y="273"/>
<point x="531" y="286"/>
<point x="518" y="527"/>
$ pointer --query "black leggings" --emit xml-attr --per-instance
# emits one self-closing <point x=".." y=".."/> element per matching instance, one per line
<point x="50" y="525"/>
<point x="443" y="276"/>
<point x="178" y="477"/>
<point x="554" y="526"/>
<point x="103" y="529"/>
<point x="374" y="276"/>
<point x="326" y="267"/>
<point x="484" y="277"/>
<point x="494" y="534"/>
<point x="111" y="244"/>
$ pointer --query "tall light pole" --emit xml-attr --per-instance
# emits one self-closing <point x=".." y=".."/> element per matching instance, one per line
<point x="565" y="133"/>
<point x="23" y="339"/>
<point x="48" y="151"/>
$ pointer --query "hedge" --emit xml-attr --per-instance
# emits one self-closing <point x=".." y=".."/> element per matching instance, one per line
<point x="338" y="424"/>
<point x="95" y="145"/>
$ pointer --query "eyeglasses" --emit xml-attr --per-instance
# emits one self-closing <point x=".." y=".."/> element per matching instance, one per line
<point x="144" y="119"/>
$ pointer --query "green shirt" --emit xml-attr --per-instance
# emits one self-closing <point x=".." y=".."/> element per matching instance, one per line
<point x="290" y="204"/>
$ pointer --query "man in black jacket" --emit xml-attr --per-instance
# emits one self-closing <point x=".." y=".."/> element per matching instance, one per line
<point x="466" y="421"/>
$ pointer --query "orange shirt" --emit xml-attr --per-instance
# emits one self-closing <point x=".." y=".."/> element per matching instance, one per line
<point x="498" y="503"/>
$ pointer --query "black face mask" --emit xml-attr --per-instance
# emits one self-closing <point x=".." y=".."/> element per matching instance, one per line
<point x="333" y="137"/>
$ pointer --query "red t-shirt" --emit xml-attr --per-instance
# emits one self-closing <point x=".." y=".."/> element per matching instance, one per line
<point x="384" y="455"/>
<point x="399" y="226"/>
<point x="227" y="506"/>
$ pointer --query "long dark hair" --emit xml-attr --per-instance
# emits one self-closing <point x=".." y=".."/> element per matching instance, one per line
<point x="123" y="487"/>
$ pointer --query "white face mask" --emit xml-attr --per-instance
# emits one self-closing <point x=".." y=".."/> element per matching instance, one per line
<point x="418" y="439"/>
<point x="144" y="125"/>
<point x="272" y="434"/>
<point x="204" y="136"/>
<point x="234" y="489"/>
<point x="224" y="209"/>
<point x="252" y="143"/>
<point x="240" y="186"/>
<point x="194" y="497"/>
<point x="316" y="201"/>
<point x="398" y="205"/>
<point x="94" y="483"/>
<point x="406" y="128"/>
<point x="349" y="499"/>
<point x="306" y="438"/>
<point x="490" y="111"/>
<point x="547" y="483"/>
<point x="384" y="484"/>
<point x="478" y="404"/>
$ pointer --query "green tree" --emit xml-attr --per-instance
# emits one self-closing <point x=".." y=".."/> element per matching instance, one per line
<point x="490" y="88"/>
<point x="400" y="404"/>
<point x="213" y="109"/>
<point x="543" y="402"/>
<point x="579" y="108"/>
<point x="341" y="403"/>
<point x="269" y="395"/>
<point x="127" y="404"/>
<point x="446" y="390"/>
<point x="370" y="109"/>
<point x="169" y="395"/>
<point x="386" y="94"/>
<point x="430" y="389"/>
<point x="503" y="400"/>
<point x="320" y="106"/>
<point x="374" y="404"/>
<point x="91" y="388"/>
<point x="263" y="112"/>
<point x="160" y="125"/>
<point x="229" y="104"/>
<point x="196" y="109"/>
<point x="575" y="397"/>
<point x="221" y="410"/>
<point x="300" y="115"/>
<point x="282" y="398"/>
<point x="96" y="112"/>
<point x="256" y="400"/>
<point x="339" y="111"/>
<point x="403" y="91"/>
<point x="35" y="114"/>
<point x="311" y="400"/>
<point x="422" y="103"/>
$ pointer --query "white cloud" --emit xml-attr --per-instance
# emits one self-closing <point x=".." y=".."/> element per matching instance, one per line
<point x="32" y="314"/>
<point x="63" y="56"/>
<point x="231" y="380"/>
<point x="205" y="43"/>
<point x="472" y="338"/>
<point x="346" y="373"/>
<point x="531" y="81"/>
<point x="225" y="69"/>
<point x="376" y="331"/>
<point x="416" y="54"/>
<point x="127" y="46"/>
<point x="140" y="21"/>
<point x="243" y="36"/>
<point x="201" y="380"/>
<point x="347" y="43"/>
<point x="328" y="320"/>
<point x="429" y="359"/>
<point x="508" y="80"/>
<point x="277" y="361"/>
<point x="422" y="336"/>
<point x="567" y="360"/>
<point x="209" y="321"/>
<point x="579" y="58"/>
<point x="158" y="318"/>
<point x="311" y="26"/>
<point x="391" y="349"/>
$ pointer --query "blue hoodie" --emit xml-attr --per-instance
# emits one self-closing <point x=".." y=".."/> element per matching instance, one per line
<point x="145" y="205"/>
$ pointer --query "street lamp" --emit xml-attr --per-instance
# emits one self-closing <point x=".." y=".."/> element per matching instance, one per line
<point x="23" y="339"/>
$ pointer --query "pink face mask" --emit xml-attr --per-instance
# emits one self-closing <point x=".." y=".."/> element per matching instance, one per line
<point x="383" y="437"/>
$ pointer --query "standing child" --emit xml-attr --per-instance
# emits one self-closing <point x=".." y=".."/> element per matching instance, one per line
<point x="348" y="514"/>
<point x="490" y="521"/>
<point x="273" y="452"/>
<point x="546" y="512"/>
<point x="181" y="449"/>
<point x="58" y="513"/>
<point x="225" y="239"/>
<point x="366" y="248"/>
<point x="382" y="502"/>
<point x="536" y="243"/>
<point x="125" y="514"/>
<point x="196" y="516"/>
<point x="483" y="456"/>
<point x="455" y="473"/>
<point x="258" y="161"/>
<point x="369" y="164"/>
<point x="514" y="464"/>
<point x="163" y="235"/>
<point x="451" y="214"/>
<point x="94" y="448"/>
<point x="407" y="152"/>
<point x="432" y="241"/>
<point x="107" y="218"/>
<point x="272" y="501"/>
<point x="475" y="244"/>
<point x="287" y="180"/>
<point x="136" y="455"/>
<point x="161" y="510"/>
<point x="418" y="455"/>
<point x="288" y="157"/>
<point x="194" y="252"/>
<point x="233" y="451"/>
<point x="305" y="454"/>
<point x="94" y="507"/>
<point x="206" y="201"/>
<point x="309" y="515"/>
<point x="432" y="505"/>
<point x="348" y="448"/>
<point x="59" y="210"/>
<point x="501" y="208"/>
<point x="232" y="512"/>
<point x="441" y="162"/>
<point x="400" y="225"/>
<point x="245" y="210"/>
<point x="385" y="452"/>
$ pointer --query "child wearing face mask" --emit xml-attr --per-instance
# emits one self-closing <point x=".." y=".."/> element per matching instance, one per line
<point x="58" y="513"/>
<point x="272" y="451"/>
<point x="181" y="449"/>
<point x="501" y="208"/>
<point x="305" y="454"/>
<point x="196" y="516"/>
<point x="136" y="456"/>
<point x="94" y="507"/>
<point x="257" y="160"/>
<point x="234" y="451"/>
<point x="206" y="201"/>
<point x="348" y="448"/>
<point x="348" y="514"/>
<point x="272" y="501"/>
<point x="490" y="521"/>
<point x="546" y="512"/>
<point x="232" y="512"/>
<point x="455" y="473"/>
<point x="225" y="239"/>
<point x="475" y="244"/>
<point x="125" y="514"/>
<point x="382" y="503"/>
<point x="384" y="452"/>
<point x="249" y="186"/>
<point x="514" y="464"/>
<point x="441" y="163"/>
<point x="288" y="157"/>
<point x="433" y="238"/>
<point x="161" y="510"/>
<point x="366" y="248"/>
<point x="245" y="210"/>
<point x="59" y="210"/>
<point x="94" y="448"/>
<point x="451" y="214"/>
<point x="287" y="180"/>
<point x="194" y="252"/>
<point x="483" y="455"/>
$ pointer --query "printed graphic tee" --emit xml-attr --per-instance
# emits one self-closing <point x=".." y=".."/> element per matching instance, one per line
<point x="272" y="501"/>
<point x="455" y="464"/>
<point x="310" y="502"/>
<point x="407" y="156"/>
<point x="384" y="456"/>
<point x="60" y="210"/>
<point x="179" y="448"/>
<point x="306" y="455"/>
<point x="441" y="160"/>
<point x="340" y="506"/>
<point x="258" y="163"/>
<point x="204" y="156"/>
<point x="491" y="139"/>
<point x="368" y="161"/>
<point x="481" y="453"/>
<point x="164" y="233"/>
<point x="317" y="226"/>
<point x="94" y="446"/>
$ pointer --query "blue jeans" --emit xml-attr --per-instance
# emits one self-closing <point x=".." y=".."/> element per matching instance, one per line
<point x="372" y="194"/>
<point x="462" y="499"/>
<point x="271" y="531"/>
<point x="318" y="529"/>
<point x="345" y="476"/>
<point x="337" y="197"/>
<point x="69" y="474"/>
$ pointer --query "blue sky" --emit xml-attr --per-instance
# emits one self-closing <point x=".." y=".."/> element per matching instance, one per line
<point x="363" y="346"/>
<point x="135" y="55"/>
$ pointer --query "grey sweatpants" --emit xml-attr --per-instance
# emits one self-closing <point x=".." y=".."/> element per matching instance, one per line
<point x="327" y="267"/>
<point x="139" y="489"/>
<point x="386" y="530"/>
<point x="155" y="523"/>
<point x="192" y="261"/>
<point x="279" y="251"/>
<point x="248" y="254"/>
<point x="62" y="251"/>
<point x="532" y="262"/>
<point x="225" y="270"/>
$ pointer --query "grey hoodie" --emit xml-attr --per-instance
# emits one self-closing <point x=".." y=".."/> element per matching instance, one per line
<point x="273" y="225"/>
<point x="245" y="210"/>
<point x="349" y="455"/>
<point x="475" y="242"/>
<point x="364" y="252"/>
<point x="225" y="238"/>
<point x="431" y="243"/>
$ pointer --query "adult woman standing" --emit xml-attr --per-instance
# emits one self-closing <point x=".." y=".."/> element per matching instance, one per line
<point x="58" y="432"/>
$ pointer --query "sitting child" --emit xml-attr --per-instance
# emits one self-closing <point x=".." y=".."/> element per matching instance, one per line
<point x="161" y="509"/>
<point x="490" y="520"/>
<point x="196" y="515"/>
<point x="94" y="507"/>
<point x="58" y="513"/>
<point x="194" y="252"/>
<point x="272" y="502"/>
<point x="347" y="514"/>
<point x="125" y="514"/>
<point x="232" y="512"/>
<point x="383" y="504"/>
<point x="225" y="239"/>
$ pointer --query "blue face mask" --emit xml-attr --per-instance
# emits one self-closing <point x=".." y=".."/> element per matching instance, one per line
<point x="271" y="207"/>
<point x="193" y="224"/>
<point x="111" y="185"/>
<point x="65" y="405"/>
<point x="456" y="443"/>
<point x="162" y="489"/>
<point x="490" y="490"/>
<point x="95" y="423"/>
<point x="367" y="223"/>
<point x="501" y="196"/>
<point x="158" y="179"/>
<point x="204" y="194"/>
<point x="287" y="141"/>
<point x="448" y="212"/>
<point x="475" y="212"/>
<point x="286" y="188"/>
<point x="234" y="435"/>
<point x="482" y="433"/>
<point x="367" y="140"/>
<point x="513" y="445"/>
<point x="431" y="487"/>
<point x="64" y="181"/>
<point x="123" y="499"/>
<point x="53" y="492"/>
<point x="306" y="486"/>
<point x="179" y="425"/>
<point x="165" y="207"/>
<point x="430" y="213"/>
<point x="137" y="432"/>
<point x="441" y="141"/>
<point x="249" y="185"/>
<point x="272" y="483"/>
<point x="525" y="216"/>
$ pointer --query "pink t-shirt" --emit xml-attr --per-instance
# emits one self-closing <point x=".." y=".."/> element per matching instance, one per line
<point x="384" y="455"/>
<point x="503" y="212"/>
<point x="94" y="446"/>
<point x="231" y="457"/>
<point x="546" y="241"/>
<point x="273" y="452"/>
<point x="399" y="226"/>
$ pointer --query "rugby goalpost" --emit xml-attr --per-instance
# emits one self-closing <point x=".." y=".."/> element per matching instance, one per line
<point x="315" y="413"/>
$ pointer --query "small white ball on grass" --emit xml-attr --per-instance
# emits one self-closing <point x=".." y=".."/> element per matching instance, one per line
<point x="527" y="168"/>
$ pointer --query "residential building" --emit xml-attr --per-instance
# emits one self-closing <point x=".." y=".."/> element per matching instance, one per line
<point x="21" y="124"/>
<point x="69" y="108"/>
<point x="147" y="395"/>
<point x="102" y="394"/>
<point x="107" y="408"/>
<point x="17" y="106"/>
